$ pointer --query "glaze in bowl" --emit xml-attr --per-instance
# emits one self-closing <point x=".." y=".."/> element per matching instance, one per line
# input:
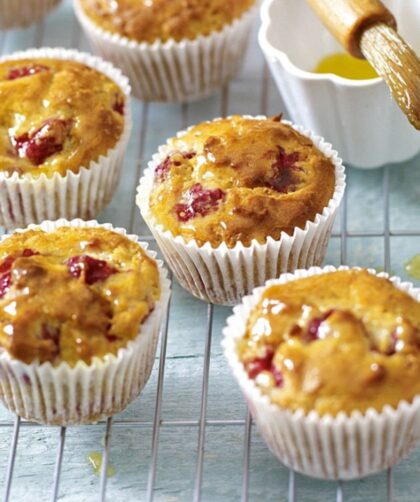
<point x="358" y="117"/>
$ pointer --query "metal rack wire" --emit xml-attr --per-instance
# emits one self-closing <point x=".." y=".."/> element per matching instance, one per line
<point x="202" y="423"/>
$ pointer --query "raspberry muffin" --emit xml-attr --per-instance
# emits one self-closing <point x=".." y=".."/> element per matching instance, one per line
<point x="21" y="13"/>
<point x="171" y="50"/>
<point x="326" y="350"/>
<point x="81" y="306"/>
<point x="237" y="201"/>
<point x="164" y="19"/>
<point x="53" y="104"/>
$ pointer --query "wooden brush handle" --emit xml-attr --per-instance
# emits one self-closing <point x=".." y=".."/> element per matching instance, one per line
<point x="348" y="19"/>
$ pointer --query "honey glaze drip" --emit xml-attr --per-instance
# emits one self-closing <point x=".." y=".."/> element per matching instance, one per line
<point x="95" y="459"/>
<point x="398" y="64"/>
<point x="412" y="267"/>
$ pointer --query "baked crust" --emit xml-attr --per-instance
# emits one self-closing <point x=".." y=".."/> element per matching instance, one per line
<point x="151" y="20"/>
<point x="335" y="342"/>
<point x="56" y="116"/>
<point x="238" y="179"/>
<point x="73" y="294"/>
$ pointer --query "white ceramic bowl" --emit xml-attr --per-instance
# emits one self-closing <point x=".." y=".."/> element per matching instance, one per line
<point x="357" y="116"/>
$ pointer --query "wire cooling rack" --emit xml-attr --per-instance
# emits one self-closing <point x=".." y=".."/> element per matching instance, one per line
<point x="189" y="436"/>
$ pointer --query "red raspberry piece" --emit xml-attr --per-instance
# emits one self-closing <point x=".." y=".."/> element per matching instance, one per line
<point x="119" y="106"/>
<point x="189" y="155"/>
<point x="26" y="71"/>
<point x="184" y="212"/>
<point x="314" y="325"/>
<point x="44" y="142"/>
<point x="51" y="334"/>
<point x="5" y="283"/>
<point x="94" y="270"/>
<point x="285" y="160"/>
<point x="7" y="264"/>
<point x="198" y="201"/>
<point x="260" y="364"/>
<point x="161" y="171"/>
<point x="27" y="253"/>
<point x="6" y="270"/>
<point x="284" y="177"/>
<point x="278" y="376"/>
<point x="265" y="363"/>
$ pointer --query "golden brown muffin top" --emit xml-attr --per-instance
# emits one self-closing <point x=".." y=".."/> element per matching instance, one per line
<point x="151" y="20"/>
<point x="56" y="116"/>
<point x="73" y="294"/>
<point x="336" y="342"/>
<point x="239" y="179"/>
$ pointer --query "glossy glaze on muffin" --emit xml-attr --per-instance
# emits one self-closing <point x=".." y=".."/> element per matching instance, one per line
<point x="73" y="294"/>
<point x="238" y="179"/>
<point x="56" y="116"/>
<point x="152" y="20"/>
<point x="335" y="342"/>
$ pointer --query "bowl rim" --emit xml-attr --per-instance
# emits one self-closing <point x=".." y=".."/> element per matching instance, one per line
<point x="274" y="52"/>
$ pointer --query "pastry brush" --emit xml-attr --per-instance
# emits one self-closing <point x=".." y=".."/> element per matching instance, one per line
<point x="367" y="29"/>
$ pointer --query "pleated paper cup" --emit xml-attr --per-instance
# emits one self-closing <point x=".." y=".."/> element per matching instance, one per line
<point x="174" y="71"/>
<point x="85" y="393"/>
<point x="327" y="447"/>
<point x="225" y="275"/>
<point x="27" y="199"/>
<point x="21" y="13"/>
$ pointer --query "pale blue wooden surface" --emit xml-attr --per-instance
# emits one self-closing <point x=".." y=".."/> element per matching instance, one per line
<point x="252" y="93"/>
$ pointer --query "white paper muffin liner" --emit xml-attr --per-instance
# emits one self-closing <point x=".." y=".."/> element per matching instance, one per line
<point x="26" y="199"/>
<point x="85" y="393"/>
<point x="224" y="275"/>
<point x="343" y="447"/>
<point x="174" y="71"/>
<point x="21" y="13"/>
